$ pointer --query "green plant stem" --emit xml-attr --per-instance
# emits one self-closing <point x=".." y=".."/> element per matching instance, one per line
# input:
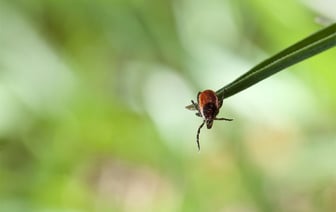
<point x="308" y="47"/>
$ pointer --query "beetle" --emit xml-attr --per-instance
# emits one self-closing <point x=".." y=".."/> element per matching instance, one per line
<point x="207" y="106"/>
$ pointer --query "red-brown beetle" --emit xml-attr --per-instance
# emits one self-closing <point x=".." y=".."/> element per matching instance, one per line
<point x="208" y="106"/>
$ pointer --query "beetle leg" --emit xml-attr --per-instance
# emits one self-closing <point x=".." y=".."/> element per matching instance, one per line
<point x="220" y="103"/>
<point x="225" y="119"/>
<point x="195" y="104"/>
<point x="197" y="108"/>
<point x="198" y="133"/>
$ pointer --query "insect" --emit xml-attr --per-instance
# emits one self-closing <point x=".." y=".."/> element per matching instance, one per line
<point x="208" y="106"/>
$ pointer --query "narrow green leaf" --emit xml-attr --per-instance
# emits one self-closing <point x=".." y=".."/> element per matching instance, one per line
<point x="308" y="47"/>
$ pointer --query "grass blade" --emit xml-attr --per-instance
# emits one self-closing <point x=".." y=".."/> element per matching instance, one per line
<point x="308" y="47"/>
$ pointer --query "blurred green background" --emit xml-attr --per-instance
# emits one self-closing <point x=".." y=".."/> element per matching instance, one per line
<point x="92" y="116"/>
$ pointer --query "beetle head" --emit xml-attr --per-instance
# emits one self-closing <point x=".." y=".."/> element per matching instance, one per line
<point x="209" y="123"/>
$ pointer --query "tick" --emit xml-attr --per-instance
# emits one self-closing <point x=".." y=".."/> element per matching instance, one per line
<point x="207" y="107"/>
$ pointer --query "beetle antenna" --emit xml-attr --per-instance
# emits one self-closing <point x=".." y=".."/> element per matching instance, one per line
<point x="198" y="133"/>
